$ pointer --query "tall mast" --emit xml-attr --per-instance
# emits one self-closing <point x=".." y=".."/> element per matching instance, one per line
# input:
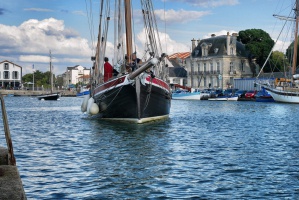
<point x="51" y="72"/>
<point x="128" y="21"/>
<point x="295" y="41"/>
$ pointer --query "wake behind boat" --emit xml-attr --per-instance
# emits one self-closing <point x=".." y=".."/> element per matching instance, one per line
<point x="140" y="93"/>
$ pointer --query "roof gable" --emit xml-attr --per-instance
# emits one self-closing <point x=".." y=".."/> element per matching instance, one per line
<point x="7" y="61"/>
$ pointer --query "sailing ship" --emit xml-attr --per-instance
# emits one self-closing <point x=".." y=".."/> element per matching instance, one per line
<point x="287" y="89"/>
<point x="50" y="96"/>
<point x="140" y="92"/>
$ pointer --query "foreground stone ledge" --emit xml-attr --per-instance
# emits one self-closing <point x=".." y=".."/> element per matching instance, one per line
<point x="11" y="187"/>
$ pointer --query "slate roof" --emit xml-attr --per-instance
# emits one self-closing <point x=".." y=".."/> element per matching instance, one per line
<point x="218" y="42"/>
<point x="177" y="72"/>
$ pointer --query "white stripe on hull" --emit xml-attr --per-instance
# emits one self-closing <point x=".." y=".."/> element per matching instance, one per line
<point x="284" y="98"/>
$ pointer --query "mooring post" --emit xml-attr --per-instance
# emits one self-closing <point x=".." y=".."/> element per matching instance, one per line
<point x="11" y="156"/>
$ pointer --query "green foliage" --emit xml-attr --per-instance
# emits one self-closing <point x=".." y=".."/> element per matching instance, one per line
<point x="40" y="78"/>
<point x="259" y="44"/>
<point x="289" y="52"/>
<point x="279" y="62"/>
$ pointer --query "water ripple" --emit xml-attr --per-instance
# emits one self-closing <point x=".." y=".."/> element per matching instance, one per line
<point x="205" y="150"/>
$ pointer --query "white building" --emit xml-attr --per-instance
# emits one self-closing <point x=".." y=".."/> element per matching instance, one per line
<point x="74" y="75"/>
<point x="215" y="62"/>
<point x="10" y="75"/>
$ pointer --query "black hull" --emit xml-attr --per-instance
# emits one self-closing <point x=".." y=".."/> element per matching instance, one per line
<point x="120" y="102"/>
<point x="51" y="97"/>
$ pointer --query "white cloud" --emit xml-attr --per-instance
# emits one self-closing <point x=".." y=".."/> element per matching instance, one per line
<point x="33" y="39"/>
<point x="222" y="32"/>
<point x="169" y="46"/>
<point x="39" y="9"/>
<point x="180" y="16"/>
<point x="210" y="3"/>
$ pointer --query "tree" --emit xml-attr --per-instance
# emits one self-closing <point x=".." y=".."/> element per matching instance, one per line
<point x="279" y="62"/>
<point x="40" y="78"/>
<point x="290" y="52"/>
<point x="259" y="44"/>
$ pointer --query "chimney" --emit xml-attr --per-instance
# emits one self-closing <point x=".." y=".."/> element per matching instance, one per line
<point x="193" y="44"/>
<point x="198" y="41"/>
<point x="234" y="38"/>
<point x="228" y="43"/>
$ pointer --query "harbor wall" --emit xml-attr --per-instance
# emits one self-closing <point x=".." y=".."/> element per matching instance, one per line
<point x="11" y="186"/>
<point x="64" y="93"/>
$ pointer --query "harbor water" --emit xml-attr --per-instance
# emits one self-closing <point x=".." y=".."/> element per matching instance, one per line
<point x="205" y="150"/>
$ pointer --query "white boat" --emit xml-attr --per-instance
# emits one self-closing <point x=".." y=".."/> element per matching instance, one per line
<point x="83" y="92"/>
<point x="141" y="92"/>
<point x="186" y="95"/>
<point x="286" y="89"/>
<point x="224" y="98"/>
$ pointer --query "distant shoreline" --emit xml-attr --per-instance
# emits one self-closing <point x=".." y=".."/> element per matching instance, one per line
<point x="64" y="93"/>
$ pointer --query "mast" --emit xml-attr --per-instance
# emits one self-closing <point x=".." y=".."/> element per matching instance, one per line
<point x="51" y="78"/>
<point x="128" y="21"/>
<point x="295" y="41"/>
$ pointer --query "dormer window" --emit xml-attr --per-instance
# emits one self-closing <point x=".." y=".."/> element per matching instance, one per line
<point x="205" y="49"/>
<point x="231" y="51"/>
<point x="6" y="66"/>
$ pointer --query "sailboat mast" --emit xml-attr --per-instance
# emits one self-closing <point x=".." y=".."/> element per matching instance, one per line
<point x="128" y="21"/>
<point x="51" y="78"/>
<point x="296" y="40"/>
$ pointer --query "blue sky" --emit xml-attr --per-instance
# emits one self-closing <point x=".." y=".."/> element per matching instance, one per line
<point x="30" y="28"/>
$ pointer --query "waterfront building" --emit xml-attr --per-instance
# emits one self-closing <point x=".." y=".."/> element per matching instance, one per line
<point x="177" y="69"/>
<point x="74" y="75"/>
<point x="10" y="75"/>
<point x="216" y="61"/>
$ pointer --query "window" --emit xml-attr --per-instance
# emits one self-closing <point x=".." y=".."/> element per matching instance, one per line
<point x="6" y="66"/>
<point x="231" y="51"/>
<point x="218" y="67"/>
<point x="205" y="67"/>
<point x="231" y="66"/>
<point x="199" y="67"/>
<point x="205" y="50"/>
<point x="242" y="65"/>
<point x="6" y="75"/>
<point x="211" y="66"/>
<point x="15" y="75"/>
<point x="205" y="82"/>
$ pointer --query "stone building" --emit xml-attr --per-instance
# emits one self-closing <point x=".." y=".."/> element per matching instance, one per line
<point x="216" y="61"/>
<point x="74" y="75"/>
<point x="10" y="75"/>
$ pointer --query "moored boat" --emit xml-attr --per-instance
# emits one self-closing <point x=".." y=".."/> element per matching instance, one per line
<point x="51" y="96"/>
<point x="286" y="90"/>
<point x="140" y="93"/>
<point x="186" y="95"/>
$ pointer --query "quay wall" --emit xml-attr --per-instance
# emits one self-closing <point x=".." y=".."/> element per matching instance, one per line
<point x="64" y="93"/>
<point x="11" y="186"/>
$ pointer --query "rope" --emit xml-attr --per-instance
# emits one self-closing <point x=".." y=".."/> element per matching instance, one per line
<point x="149" y="89"/>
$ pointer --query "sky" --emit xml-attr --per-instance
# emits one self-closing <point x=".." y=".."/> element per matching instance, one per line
<point x="30" y="29"/>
